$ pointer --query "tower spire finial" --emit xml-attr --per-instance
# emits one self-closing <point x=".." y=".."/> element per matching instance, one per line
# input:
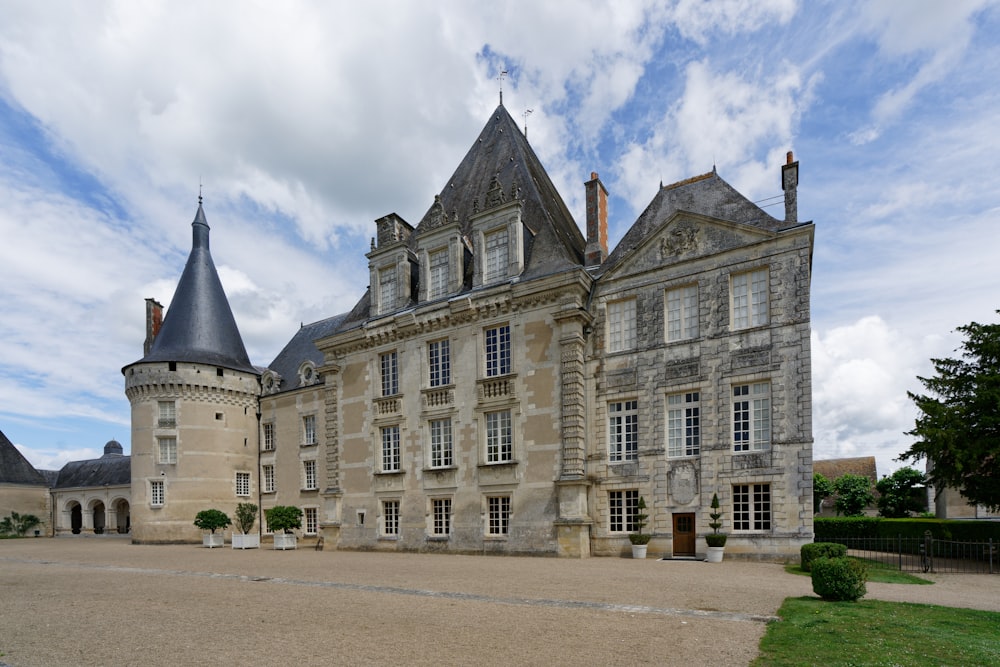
<point x="500" y="78"/>
<point x="526" y="113"/>
<point x="199" y="191"/>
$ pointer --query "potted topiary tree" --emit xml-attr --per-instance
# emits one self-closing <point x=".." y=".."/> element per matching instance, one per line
<point x="210" y="520"/>
<point x="639" y="539"/>
<point x="716" y="540"/>
<point x="246" y="515"/>
<point x="281" y="519"/>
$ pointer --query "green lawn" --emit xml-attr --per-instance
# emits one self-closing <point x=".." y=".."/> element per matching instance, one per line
<point x="871" y="632"/>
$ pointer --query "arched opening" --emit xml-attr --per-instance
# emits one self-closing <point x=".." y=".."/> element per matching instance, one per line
<point x="122" y="516"/>
<point x="76" y="518"/>
<point x="99" y="517"/>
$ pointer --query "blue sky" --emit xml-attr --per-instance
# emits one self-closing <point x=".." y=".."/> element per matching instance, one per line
<point x="304" y="122"/>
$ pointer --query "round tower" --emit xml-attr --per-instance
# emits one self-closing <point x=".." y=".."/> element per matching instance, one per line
<point x="194" y="398"/>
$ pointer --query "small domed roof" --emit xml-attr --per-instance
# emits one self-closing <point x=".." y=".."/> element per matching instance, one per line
<point x="113" y="448"/>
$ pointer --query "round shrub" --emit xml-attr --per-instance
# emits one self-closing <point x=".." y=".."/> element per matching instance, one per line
<point x="839" y="578"/>
<point x="810" y="552"/>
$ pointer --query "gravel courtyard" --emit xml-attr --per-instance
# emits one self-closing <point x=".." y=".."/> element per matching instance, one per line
<point x="105" y="601"/>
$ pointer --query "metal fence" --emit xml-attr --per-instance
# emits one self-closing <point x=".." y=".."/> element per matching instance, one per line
<point x="925" y="554"/>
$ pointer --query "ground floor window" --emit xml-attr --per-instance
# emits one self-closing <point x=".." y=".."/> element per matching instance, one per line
<point x="390" y="518"/>
<point x="498" y="512"/>
<point x="752" y="507"/>
<point x="268" y="475"/>
<point x="623" y="507"/>
<point x="311" y="515"/>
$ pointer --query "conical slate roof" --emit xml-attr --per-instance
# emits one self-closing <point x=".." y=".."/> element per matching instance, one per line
<point x="14" y="468"/>
<point x="199" y="325"/>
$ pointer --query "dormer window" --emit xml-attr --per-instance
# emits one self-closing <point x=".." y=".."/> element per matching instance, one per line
<point x="437" y="270"/>
<point x="271" y="382"/>
<point x="307" y="374"/>
<point x="497" y="255"/>
<point x="387" y="289"/>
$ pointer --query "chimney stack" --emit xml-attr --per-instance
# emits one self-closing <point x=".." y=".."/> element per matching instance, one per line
<point x="790" y="184"/>
<point x="597" y="221"/>
<point x="154" y="319"/>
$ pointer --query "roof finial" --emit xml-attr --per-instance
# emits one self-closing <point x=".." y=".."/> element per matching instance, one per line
<point x="525" y="114"/>
<point x="199" y="191"/>
<point x="500" y="78"/>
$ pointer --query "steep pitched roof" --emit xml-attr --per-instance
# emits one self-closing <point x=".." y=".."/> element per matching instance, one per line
<point x="112" y="469"/>
<point x="14" y="468"/>
<point x="199" y="326"/>
<point x="708" y="195"/>
<point x="302" y="348"/>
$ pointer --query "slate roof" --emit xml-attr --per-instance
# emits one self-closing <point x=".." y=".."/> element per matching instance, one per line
<point x="199" y="325"/>
<point x="14" y="468"/>
<point x="834" y="468"/>
<point x="112" y="469"/>
<point x="302" y="348"/>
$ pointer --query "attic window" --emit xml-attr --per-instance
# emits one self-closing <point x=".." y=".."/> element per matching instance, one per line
<point x="219" y="416"/>
<point x="218" y="372"/>
<point x="172" y="365"/>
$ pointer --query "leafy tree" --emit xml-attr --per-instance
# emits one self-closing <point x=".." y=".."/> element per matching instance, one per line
<point x="900" y="494"/>
<point x="959" y="425"/>
<point x="282" y="518"/>
<point x="822" y="489"/>
<point x="19" y="524"/>
<point x="211" y="520"/>
<point x="246" y="515"/>
<point x="854" y="493"/>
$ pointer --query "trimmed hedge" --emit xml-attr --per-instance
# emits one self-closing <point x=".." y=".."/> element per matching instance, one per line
<point x="839" y="578"/>
<point x="828" y="528"/>
<point x="810" y="552"/>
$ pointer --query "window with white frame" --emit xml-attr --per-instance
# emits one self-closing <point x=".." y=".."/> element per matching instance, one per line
<point x="439" y="362"/>
<point x="243" y="484"/>
<point x="437" y="283"/>
<point x="623" y="506"/>
<point x="387" y="289"/>
<point x="498" y="515"/>
<point x="621" y="325"/>
<point x="311" y="516"/>
<point x="499" y="438"/>
<point x="751" y="417"/>
<point x="309" y="475"/>
<point x="751" y="507"/>
<point x="682" y="313"/>
<point x="442" y="449"/>
<point x="390" y="448"/>
<point x="496" y="256"/>
<point x="441" y="516"/>
<point x="267" y="474"/>
<point x="389" y="363"/>
<point x="498" y="350"/>
<point x="683" y="424"/>
<point x="157" y="494"/>
<point x="167" y="450"/>
<point x="167" y="417"/>
<point x="750" y="299"/>
<point x="269" y="440"/>
<point x="623" y="431"/>
<point x="309" y="430"/>
<point x="390" y="518"/>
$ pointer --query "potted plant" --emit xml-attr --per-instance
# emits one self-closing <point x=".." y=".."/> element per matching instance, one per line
<point x="246" y="515"/>
<point x="281" y="519"/>
<point x="210" y="520"/>
<point x="639" y="539"/>
<point x="716" y="540"/>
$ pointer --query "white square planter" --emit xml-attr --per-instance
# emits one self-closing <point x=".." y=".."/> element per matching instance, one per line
<point x="212" y="540"/>
<point x="285" y="541"/>
<point x="246" y="541"/>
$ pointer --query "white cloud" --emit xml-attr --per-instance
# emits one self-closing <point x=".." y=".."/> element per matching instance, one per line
<point x="697" y="20"/>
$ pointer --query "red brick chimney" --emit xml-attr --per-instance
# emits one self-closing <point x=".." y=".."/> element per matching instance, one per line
<point x="154" y="319"/>
<point x="790" y="184"/>
<point x="597" y="221"/>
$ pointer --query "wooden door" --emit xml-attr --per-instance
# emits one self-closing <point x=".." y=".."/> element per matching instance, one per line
<point x="684" y="534"/>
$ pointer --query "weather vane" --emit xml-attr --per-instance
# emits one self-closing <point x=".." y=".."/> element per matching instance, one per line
<point x="525" y="114"/>
<point x="500" y="78"/>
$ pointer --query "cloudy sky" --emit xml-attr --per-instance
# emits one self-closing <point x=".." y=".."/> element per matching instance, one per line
<point x="303" y="122"/>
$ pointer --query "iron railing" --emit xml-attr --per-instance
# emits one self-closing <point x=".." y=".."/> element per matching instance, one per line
<point x="925" y="554"/>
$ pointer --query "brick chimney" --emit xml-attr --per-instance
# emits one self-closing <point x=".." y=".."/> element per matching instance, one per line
<point x="597" y="221"/>
<point x="154" y="319"/>
<point x="790" y="184"/>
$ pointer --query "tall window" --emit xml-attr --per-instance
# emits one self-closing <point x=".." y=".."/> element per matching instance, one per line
<point x="750" y="307"/>
<point x="390" y="373"/>
<point x="682" y="313"/>
<point x="390" y="448"/>
<point x="311" y="515"/>
<point x="441" y="509"/>
<point x="309" y="430"/>
<point x="623" y="431"/>
<point x="498" y="510"/>
<point x="167" y="414"/>
<point x="243" y="484"/>
<point x="499" y="442"/>
<point x="269" y="436"/>
<point x="156" y="493"/>
<point x="752" y="507"/>
<point x="498" y="351"/>
<point x="268" y="477"/>
<point x="621" y="325"/>
<point x="390" y="517"/>
<point x="683" y="424"/>
<point x="622" y="508"/>
<point x="309" y="475"/>
<point x="497" y="249"/>
<point x="751" y="417"/>
<point x="387" y="289"/>
<point x="442" y="452"/>
<point x="437" y="284"/>
<point x="439" y="362"/>
<point x="167" y="449"/>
